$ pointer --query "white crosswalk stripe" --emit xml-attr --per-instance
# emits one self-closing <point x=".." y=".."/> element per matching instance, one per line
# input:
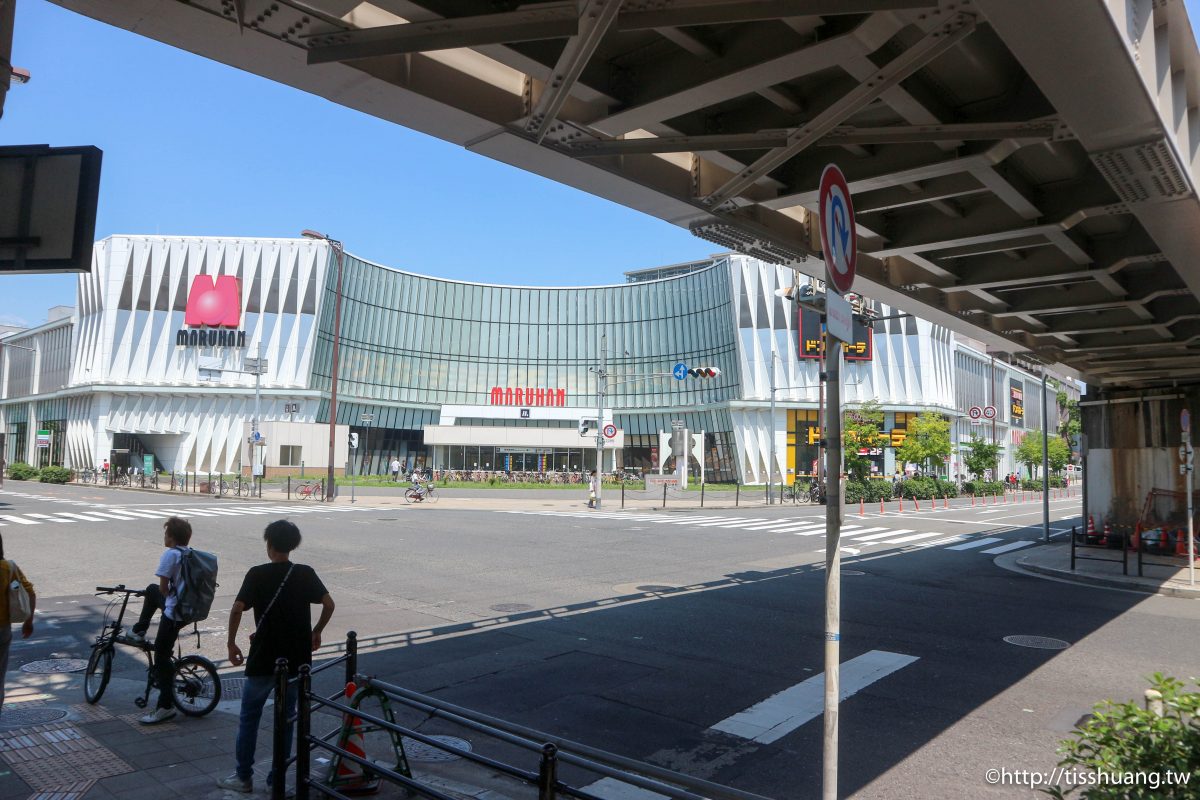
<point x="1004" y="548"/>
<point x="83" y="517"/>
<point x="876" y="536"/>
<point x="973" y="544"/>
<point x="49" y="518"/>
<point x="913" y="538"/>
<point x="19" y="520"/>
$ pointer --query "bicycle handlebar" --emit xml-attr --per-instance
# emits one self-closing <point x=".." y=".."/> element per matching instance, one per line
<point x="120" y="589"/>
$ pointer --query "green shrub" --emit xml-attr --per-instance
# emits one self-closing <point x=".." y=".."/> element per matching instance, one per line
<point x="869" y="491"/>
<point x="856" y="491"/>
<point x="1127" y="739"/>
<point x="979" y="488"/>
<point x="918" y="488"/>
<point x="946" y="488"/>
<point x="55" y="475"/>
<point x="21" y="471"/>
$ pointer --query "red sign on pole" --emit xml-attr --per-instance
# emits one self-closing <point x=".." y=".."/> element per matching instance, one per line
<point x="838" y="238"/>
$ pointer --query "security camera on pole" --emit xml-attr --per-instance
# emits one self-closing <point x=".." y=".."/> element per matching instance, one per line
<point x="839" y="243"/>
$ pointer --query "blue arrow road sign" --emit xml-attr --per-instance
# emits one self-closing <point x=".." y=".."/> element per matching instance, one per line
<point x="679" y="371"/>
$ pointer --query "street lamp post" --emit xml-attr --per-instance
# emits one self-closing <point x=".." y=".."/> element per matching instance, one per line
<point x="330" y="484"/>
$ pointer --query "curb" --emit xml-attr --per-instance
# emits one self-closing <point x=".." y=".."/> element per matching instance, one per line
<point x="1023" y="564"/>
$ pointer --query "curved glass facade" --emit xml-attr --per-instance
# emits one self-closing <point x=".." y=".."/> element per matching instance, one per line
<point x="420" y="341"/>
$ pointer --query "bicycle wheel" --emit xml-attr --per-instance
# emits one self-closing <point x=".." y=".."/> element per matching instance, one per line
<point x="197" y="685"/>
<point x="99" y="670"/>
<point x="412" y="496"/>
<point x="431" y="495"/>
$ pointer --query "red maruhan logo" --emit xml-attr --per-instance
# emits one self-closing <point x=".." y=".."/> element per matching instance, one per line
<point x="216" y="304"/>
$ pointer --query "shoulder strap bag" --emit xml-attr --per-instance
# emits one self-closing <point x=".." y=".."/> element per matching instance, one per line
<point x="271" y="604"/>
<point x="18" y="599"/>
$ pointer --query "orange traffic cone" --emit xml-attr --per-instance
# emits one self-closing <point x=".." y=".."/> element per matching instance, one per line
<point x="862" y="506"/>
<point x="350" y="777"/>
<point x="1091" y="534"/>
<point x="1137" y="536"/>
<point x="881" y="505"/>
<point x="901" y="503"/>
<point x="1181" y="543"/>
<point x="1107" y="532"/>
<point x="945" y="502"/>
<point x="916" y="503"/>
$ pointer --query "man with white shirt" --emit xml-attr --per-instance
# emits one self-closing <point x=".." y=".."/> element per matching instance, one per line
<point x="177" y="533"/>
<point x="395" y="468"/>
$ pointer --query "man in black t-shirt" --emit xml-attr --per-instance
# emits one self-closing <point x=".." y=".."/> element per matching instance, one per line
<point x="281" y="594"/>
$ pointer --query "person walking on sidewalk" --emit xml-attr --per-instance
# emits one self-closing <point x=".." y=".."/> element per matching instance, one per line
<point x="281" y="594"/>
<point x="9" y="571"/>
<point x="163" y="595"/>
<point x="592" y="483"/>
<point x="395" y="469"/>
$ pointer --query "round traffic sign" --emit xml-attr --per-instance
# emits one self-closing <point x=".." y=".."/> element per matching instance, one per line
<point x="838" y="239"/>
<point x="679" y="371"/>
<point x="610" y="431"/>
<point x="989" y="412"/>
<point x="976" y="412"/>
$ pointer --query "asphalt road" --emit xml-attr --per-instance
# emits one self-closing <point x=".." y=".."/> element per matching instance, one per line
<point x="660" y="635"/>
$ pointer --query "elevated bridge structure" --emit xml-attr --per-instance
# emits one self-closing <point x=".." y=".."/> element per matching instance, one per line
<point x="1024" y="171"/>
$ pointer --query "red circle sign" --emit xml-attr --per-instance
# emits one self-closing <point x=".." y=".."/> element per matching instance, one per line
<point x="610" y="431"/>
<point x="839" y="240"/>
<point x="976" y="412"/>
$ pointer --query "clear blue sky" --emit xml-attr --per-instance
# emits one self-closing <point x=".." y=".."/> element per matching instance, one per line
<point x="198" y="148"/>
<point x="195" y="147"/>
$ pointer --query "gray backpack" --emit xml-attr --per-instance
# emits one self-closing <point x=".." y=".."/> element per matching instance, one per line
<point x="198" y="575"/>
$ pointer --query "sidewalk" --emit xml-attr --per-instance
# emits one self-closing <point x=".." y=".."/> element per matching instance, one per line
<point x="54" y="746"/>
<point x="1163" y="576"/>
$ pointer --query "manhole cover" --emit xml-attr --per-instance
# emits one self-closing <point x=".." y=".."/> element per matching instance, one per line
<point x="510" y="608"/>
<point x="428" y="754"/>
<point x="55" y="665"/>
<point x="655" y="587"/>
<point x="1039" y="642"/>
<point x="231" y="688"/>
<point x="13" y="716"/>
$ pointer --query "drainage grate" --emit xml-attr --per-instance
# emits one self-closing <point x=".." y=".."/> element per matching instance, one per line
<point x="511" y="608"/>
<point x="55" y="665"/>
<point x="13" y="716"/>
<point x="427" y="754"/>
<point x="231" y="688"/>
<point x="1038" y="642"/>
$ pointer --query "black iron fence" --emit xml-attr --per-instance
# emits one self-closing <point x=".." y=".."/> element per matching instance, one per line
<point x="546" y="751"/>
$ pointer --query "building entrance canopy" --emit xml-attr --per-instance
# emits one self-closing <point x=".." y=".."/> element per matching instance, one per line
<point x="1032" y="206"/>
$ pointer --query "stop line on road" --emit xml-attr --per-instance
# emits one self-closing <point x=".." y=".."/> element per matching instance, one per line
<point x="859" y="536"/>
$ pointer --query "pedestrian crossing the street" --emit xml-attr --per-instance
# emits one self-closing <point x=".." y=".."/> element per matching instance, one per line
<point x="860" y="537"/>
<point x="104" y="512"/>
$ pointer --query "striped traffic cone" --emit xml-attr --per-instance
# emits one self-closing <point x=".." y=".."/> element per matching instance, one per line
<point x="1181" y="543"/>
<point x="1107" y="532"/>
<point x="1091" y="534"/>
<point x="350" y="777"/>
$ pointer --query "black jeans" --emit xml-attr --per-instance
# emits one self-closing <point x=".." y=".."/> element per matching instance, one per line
<point x="164" y="644"/>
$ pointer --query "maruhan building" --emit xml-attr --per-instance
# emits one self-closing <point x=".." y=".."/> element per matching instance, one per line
<point x="176" y="346"/>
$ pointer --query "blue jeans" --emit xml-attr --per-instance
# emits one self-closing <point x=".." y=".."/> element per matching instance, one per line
<point x="255" y="693"/>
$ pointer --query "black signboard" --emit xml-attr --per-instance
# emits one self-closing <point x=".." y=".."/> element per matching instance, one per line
<point x="810" y="345"/>
<point x="1016" y="402"/>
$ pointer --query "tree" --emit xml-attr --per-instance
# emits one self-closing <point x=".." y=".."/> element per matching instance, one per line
<point x="928" y="440"/>
<point x="982" y="456"/>
<point x="1029" y="452"/>
<point x="861" y="428"/>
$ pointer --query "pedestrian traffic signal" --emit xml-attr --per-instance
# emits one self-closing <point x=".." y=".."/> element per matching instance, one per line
<point x="353" y="441"/>
<point x="704" y="372"/>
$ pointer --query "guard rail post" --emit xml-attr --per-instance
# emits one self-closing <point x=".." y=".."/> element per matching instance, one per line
<point x="303" y="728"/>
<point x="289" y="487"/>
<point x="702" y="494"/>
<point x="664" y="495"/>
<point x="351" y="656"/>
<point x="279" y="746"/>
<point x="737" y="493"/>
<point x="548" y="772"/>
<point x="622" y="494"/>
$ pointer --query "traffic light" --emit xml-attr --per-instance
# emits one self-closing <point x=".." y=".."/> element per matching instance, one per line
<point x="586" y="425"/>
<point x="704" y="372"/>
<point x="353" y="441"/>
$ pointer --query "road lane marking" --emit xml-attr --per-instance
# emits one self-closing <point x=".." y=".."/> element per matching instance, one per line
<point x="19" y="520"/>
<point x="976" y="543"/>
<point x="782" y="713"/>
<point x="735" y="523"/>
<point x="83" y="517"/>
<point x="50" y="518"/>
<point x="874" y="536"/>
<point x="856" y="534"/>
<point x="912" y="538"/>
<point x="1004" y="548"/>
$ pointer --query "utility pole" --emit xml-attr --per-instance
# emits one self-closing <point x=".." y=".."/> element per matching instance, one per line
<point x="771" y="433"/>
<point x="601" y="388"/>
<point x="1045" y="462"/>
<point x="833" y="563"/>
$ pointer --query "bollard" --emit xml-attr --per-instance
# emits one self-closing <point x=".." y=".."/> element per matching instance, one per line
<point x="351" y="656"/>
<point x="945" y="503"/>
<point x="623" y="495"/>
<point x="303" y="728"/>
<point x="1154" y="702"/>
<point x="279" y="739"/>
<point x="737" y="493"/>
<point x="916" y="503"/>
<point x="664" y="495"/>
<point x="862" y="506"/>
<point x="901" y="499"/>
<point x="548" y="772"/>
<point x="289" y="487"/>
<point x="881" y="505"/>
<point x="701" y="494"/>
